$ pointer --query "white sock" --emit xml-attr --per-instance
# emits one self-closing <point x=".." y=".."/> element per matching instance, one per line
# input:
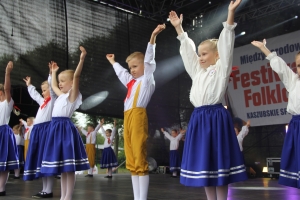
<point x="144" y="185"/>
<point x="136" y="187"/>
<point x="63" y="185"/>
<point x="174" y="173"/>
<point x="70" y="185"/>
<point x="3" y="180"/>
<point x="49" y="184"/>
<point x="90" y="171"/>
<point x="222" y="192"/>
<point x="109" y="172"/>
<point x="44" y="179"/>
<point x="17" y="172"/>
<point x="211" y="193"/>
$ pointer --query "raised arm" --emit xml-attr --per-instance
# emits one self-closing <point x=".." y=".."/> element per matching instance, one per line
<point x="166" y="134"/>
<point x="285" y="73"/>
<point x="54" y="85"/>
<point x="83" y="131"/>
<point x="231" y="10"/>
<point x="123" y="74"/>
<point x="7" y="84"/>
<point x="52" y="93"/>
<point x="187" y="46"/>
<point x="156" y="31"/>
<point x="75" y="88"/>
<point x="24" y="123"/>
<point x="32" y="91"/>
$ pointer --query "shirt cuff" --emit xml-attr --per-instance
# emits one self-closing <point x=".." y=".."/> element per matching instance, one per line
<point x="182" y="36"/>
<point x="151" y="45"/>
<point x="229" y="27"/>
<point x="271" y="55"/>
<point x="30" y="87"/>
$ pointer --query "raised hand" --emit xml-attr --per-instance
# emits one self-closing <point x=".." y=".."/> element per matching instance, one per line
<point x="159" y="29"/>
<point x="234" y="4"/>
<point x="27" y="80"/>
<point x="101" y="121"/>
<point x="174" y="19"/>
<point x="248" y="123"/>
<point x="54" y="67"/>
<point x="110" y="58"/>
<point x="259" y="44"/>
<point x="182" y="131"/>
<point x="9" y="67"/>
<point x="83" y="52"/>
<point x="115" y="122"/>
<point x="162" y="130"/>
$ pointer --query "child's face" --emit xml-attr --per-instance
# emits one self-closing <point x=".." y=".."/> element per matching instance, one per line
<point x="45" y="91"/>
<point x="108" y="134"/>
<point x="16" y="131"/>
<point x="90" y="129"/>
<point x="298" y="64"/>
<point x="174" y="133"/>
<point x="207" y="56"/>
<point x="29" y="122"/>
<point x="65" y="82"/>
<point x="136" y="67"/>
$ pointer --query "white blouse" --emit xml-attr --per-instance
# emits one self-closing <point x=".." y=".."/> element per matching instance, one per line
<point x="209" y="85"/>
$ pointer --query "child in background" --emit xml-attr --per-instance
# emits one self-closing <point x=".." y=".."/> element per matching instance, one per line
<point x="175" y="161"/>
<point x="211" y="156"/>
<point x="108" y="159"/>
<point x="241" y="133"/>
<point x="63" y="143"/>
<point x="8" y="149"/>
<point x="289" y="165"/>
<point x="38" y="135"/>
<point x="90" y="134"/>
<point x="17" y="129"/>
<point x="28" y="125"/>
<point x="140" y="85"/>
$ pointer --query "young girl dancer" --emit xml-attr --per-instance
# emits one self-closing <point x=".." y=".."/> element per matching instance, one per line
<point x="289" y="166"/>
<point x="108" y="159"/>
<point x="64" y="151"/>
<point x="9" y="152"/>
<point x="174" y="154"/>
<point x="211" y="156"/>
<point x="17" y="129"/>
<point x="38" y="135"/>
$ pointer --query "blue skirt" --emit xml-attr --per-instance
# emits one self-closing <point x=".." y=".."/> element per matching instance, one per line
<point x="64" y="150"/>
<point x="211" y="155"/>
<point x="290" y="156"/>
<point x="32" y="169"/>
<point x="174" y="161"/>
<point x="9" y="158"/>
<point x="21" y="155"/>
<point x="108" y="159"/>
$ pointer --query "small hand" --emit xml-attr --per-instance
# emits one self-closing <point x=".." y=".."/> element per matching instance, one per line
<point x="259" y="44"/>
<point x="27" y="80"/>
<point x="83" y="52"/>
<point x="175" y="21"/>
<point x="9" y="67"/>
<point x="101" y="121"/>
<point x="248" y="123"/>
<point x="159" y="29"/>
<point x="162" y="130"/>
<point x="54" y="67"/>
<point x="110" y="58"/>
<point x="182" y="131"/>
<point x="234" y="4"/>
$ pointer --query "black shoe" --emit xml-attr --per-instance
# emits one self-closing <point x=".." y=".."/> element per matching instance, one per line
<point x="16" y="177"/>
<point x="57" y="177"/>
<point x="89" y="175"/>
<point x="42" y="195"/>
<point x="108" y="177"/>
<point x="3" y="193"/>
<point x="174" y="176"/>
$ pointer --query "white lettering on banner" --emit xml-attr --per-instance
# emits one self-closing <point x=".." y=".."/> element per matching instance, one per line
<point x="255" y="90"/>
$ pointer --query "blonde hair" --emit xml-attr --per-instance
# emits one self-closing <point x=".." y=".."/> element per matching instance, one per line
<point x="44" y="83"/>
<point x="212" y="43"/>
<point x="298" y="54"/>
<point x="70" y="73"/>
<point x="18" y="127"/>
<point x="138" y="55"/>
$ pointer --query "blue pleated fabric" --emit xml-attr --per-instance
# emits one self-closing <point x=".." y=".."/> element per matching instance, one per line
<point x="9" y="158"/>
<point x="21" y="155"/>
<point x="290" y="156"/>
<point x="32" y="169"/>
<point x="108" y="159"/>
<point x="174" y="161"/>
<point x="211" y="155"/>
<point x="64" y="150"/>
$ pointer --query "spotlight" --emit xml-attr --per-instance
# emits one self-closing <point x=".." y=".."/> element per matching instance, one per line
<point x="209" y="2"/>
<point x="168" y="19"/>
<point x="243" y="33"/>
<point x="296" y="17"/>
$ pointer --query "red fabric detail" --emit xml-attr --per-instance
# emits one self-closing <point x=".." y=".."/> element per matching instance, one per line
<point x="45" y="102"/>
<point x="129" y="88"/>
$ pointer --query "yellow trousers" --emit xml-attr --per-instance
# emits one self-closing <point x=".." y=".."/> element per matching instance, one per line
<point x="91" y="152"/>
<point x="135" y="138"/>
<point x="26" y="144"/>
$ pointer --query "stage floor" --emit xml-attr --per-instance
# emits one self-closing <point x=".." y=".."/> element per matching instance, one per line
<point x="162" y="186"/>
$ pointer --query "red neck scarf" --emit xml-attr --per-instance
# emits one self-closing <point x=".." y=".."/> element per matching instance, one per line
<point x="129" y="88"/>
<point x="108" y="140"/>
<point x="45" y="102"/>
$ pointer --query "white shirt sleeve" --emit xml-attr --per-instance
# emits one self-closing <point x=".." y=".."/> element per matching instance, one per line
<point x="84" y="132"/>
<point x="24" y="124"/>
<point x="102" y="132"/>
<point x="52" y="93"/>
<point x="149" y="64"/>
<point x="225" y="48"/>
<point x="35" y="95"/>
<point x="179" y="136"/>
<point x="285" y="73"/>
<point x="122" y="73"/>
<point x="188" y="54"/>
<point x="113" y="133"/>
<point x="97" y="128"/>
<point x="244" y="132"/>
<point x="167" y="135"/>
